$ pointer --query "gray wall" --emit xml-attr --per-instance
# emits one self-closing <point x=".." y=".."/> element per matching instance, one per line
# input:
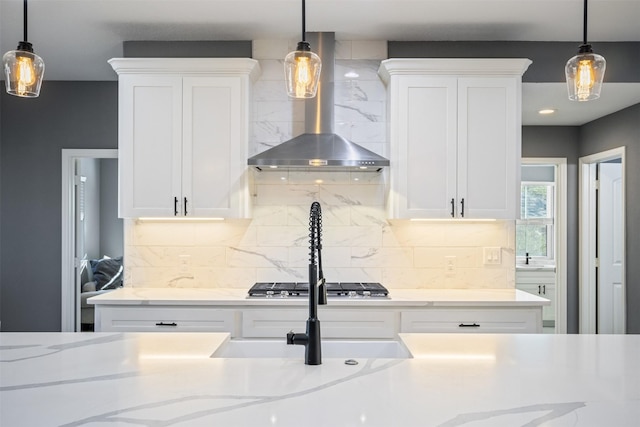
<point x="549" y="58"/>
<point x="84" y="115"/>
<point x="32" y="134"/>
<point x="561" y="141"/>
<point x="616" y="130"/>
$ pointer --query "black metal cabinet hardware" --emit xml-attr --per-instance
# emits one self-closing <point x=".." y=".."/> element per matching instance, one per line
<point x="468" y="325"/>
<point x="166" y="324"/>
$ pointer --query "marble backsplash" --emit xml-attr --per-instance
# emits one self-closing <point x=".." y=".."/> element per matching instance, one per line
<point x="359" y="244"/>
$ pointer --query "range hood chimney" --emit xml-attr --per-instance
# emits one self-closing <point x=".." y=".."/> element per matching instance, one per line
<point x="319" y="147"/>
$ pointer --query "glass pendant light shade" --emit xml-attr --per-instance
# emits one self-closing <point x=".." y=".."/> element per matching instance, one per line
<point x="302" y="72"/>
<point x="585" y="73"/>
<point x="23" y="71"/>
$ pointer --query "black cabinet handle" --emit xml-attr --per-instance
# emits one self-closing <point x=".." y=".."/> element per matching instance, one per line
<point x="544" y="289"/>
<point x="468" y="325"/>
<point x="462" y="211"/>
<point x="539" y="290"/>
<point x="185" y="206"/>
<point x="453" y="207"/>
<point x="166" y="324"/>
<point x="175" y="206"/>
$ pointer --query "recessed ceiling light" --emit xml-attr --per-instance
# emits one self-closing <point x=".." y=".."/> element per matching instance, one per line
<point x="546" y="111"/>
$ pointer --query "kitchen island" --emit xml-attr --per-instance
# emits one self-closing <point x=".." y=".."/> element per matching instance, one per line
<point x="169" y="379"/>
<point x="229" y="310"/>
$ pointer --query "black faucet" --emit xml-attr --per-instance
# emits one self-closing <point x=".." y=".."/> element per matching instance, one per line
<point x="317" y="292"/>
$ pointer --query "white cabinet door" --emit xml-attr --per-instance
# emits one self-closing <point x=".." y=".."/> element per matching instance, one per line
<point x="163" y="319"/>
<point x="334" y="323"/>
<point x="478" y="320"/>
<point x="213" y="159"/>
<point x="455" y="135"/>
<point x="183" y="135"/>
<point x="489" y="147"/>
<point x="541" y="283"/>
<point x="149" y="144"/>
<point x="425" y="149"/>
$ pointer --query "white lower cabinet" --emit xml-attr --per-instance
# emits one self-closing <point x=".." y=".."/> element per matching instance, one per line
<point x="334" y="323"/>
<point x="480" y="320"/>
<point x="164" y="319"/>
<point x="540" y="283"/>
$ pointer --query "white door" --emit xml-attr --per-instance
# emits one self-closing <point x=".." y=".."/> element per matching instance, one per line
<point x="80" y="255"/>
<point x="610" y="296"/>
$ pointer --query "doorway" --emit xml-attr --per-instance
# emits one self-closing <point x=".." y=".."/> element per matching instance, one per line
<point x="602" y="243"/>
<point x="541" y="268"/>
<point x="81" y="189"/>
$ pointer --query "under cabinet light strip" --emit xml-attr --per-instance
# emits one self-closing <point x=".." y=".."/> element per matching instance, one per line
<point x="180" y="219"/>
<point x="452" y="219"/>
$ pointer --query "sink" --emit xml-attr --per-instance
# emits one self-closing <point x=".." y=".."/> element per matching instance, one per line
<point x="343" y="349"/>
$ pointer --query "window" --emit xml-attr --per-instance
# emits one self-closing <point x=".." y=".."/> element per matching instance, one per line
<point x="535" y="228"/>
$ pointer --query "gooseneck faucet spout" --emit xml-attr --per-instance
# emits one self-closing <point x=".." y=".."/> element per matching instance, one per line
<point x="317" y="292"/>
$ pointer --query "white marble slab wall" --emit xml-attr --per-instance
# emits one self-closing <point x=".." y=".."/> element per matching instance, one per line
<point x="359" y="243"/>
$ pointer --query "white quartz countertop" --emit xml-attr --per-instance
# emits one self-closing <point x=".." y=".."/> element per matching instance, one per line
<point x="399" y="297"/>
<point x="168" y="379"/>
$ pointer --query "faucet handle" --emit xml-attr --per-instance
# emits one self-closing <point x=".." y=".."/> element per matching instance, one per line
<point x="290" y="335"/>
<point x="322" y="292"/>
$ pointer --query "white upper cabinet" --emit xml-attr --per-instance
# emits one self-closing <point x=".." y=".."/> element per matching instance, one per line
<point x="183" y="136"/>
<point x="455" y="137"/>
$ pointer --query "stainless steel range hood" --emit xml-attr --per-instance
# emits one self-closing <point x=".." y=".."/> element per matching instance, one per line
<point x="319" y="147"/>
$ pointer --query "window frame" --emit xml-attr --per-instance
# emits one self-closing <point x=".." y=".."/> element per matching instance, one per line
<point x="549" y="222"/>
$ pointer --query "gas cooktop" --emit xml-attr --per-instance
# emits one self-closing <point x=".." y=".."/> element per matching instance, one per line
<point x="334" y="289"/>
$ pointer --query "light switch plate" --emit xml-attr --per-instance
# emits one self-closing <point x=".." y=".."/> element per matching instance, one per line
<point x="492" y="256"/>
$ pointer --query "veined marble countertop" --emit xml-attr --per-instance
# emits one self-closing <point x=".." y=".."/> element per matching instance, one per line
<point x="399" y="297"/>
<point x="168" y="379"/>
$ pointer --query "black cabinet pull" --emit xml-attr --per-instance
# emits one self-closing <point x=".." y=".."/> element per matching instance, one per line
<point x="544" y="289"/>
<point x="453" y="207"/>
<point x="166" y="324"/>
<point x="462" y="211"/>
<point x="468" y="325"/>
<point x="539" y="290"/>
<point x="185" y="206"/>
<point x="175" y="206"/>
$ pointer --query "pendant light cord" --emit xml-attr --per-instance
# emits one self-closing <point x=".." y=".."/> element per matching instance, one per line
<point x="25" y="20"/>
<point x="584" y="26"/>
<point x="304" y="27"/>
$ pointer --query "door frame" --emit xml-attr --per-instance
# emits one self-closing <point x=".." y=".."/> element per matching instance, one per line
<point x="69" y="307"/>
<point x="560" y="217"/>
<point x="587" y="238"/>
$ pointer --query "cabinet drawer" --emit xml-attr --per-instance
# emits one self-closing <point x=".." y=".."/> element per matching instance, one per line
<point x="333" y="323"/>
<point x="163" y="319"/>
<point x="472" y="321"/>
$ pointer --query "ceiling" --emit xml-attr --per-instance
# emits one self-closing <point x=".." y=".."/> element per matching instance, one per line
<point x="77" y="37"/>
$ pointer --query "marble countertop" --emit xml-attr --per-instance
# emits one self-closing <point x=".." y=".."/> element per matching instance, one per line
<point x="399" y="297"/>
<point x="168" y="379"/>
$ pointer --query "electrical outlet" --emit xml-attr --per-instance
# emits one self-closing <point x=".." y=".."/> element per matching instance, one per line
<point x="450" y="265"/>
<point x="492" y="256"/>
<point x="185" y="263"/>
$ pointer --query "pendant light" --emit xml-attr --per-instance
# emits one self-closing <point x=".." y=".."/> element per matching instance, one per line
<point x="23" y="69"/>
<point x="302" y="68"/>
<point x="585" y="71"/>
